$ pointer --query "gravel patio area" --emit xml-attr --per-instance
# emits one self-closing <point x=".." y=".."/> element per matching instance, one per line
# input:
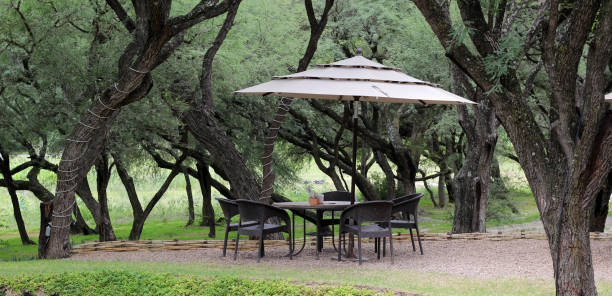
<point x="476" y="259"/>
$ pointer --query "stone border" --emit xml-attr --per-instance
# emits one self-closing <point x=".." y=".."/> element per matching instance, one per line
<point x="250" y="245"/>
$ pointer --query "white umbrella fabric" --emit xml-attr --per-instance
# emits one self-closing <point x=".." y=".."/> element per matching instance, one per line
<point x="608" y="98"/>
<point x="355" y="79"/>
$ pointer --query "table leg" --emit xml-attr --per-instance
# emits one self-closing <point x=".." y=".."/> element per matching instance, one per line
<point x="319" y="232"/>
<point x="293" y="234"/>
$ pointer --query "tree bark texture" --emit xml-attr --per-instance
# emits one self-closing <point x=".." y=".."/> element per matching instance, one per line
<point x="567" y="161"/>
<point x="208" y="213"/>
<point x="103" y="174"/>
<point x="600" y="207"/>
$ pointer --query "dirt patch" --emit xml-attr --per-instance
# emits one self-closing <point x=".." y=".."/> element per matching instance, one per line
<point x="479" y="259"/>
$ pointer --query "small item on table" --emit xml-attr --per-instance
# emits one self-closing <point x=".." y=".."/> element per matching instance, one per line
<point x="313" y="198"/>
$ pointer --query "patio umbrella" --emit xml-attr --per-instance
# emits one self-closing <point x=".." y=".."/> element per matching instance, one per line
<point x="608" y="98"/>
<point x="356" y="79"/>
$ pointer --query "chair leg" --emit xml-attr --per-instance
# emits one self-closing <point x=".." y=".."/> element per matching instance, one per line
<point x="384" y="246"/>
<point x="412" y="240"/>
<point x="291" y="245"/>
<point x="391" y="245"/>
<point x="419" y="239"/>
<point x="236" y="247"/>
<point x="261" y="247"/>
<point x="339" y="246"/>
<point x="332" y="230"/>
<point x="359" y="245"/>
<point x="225" y="240"/>
<point x="377" y="247"/>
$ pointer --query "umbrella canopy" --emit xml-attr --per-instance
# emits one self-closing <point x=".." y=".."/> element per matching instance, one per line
<point x="608" y="98"/>
<point x="356" y="77"/>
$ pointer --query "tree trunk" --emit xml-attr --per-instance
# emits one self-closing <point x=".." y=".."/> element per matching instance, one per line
<point x="190" y="208"/>
<point x="472" y="182"/>
<point x="5" y="168"/>
<point x="45" y="219"/>
<point x="80" y="226"/>
<point x="599" y="213"/>
<point x="103" y="173"/>
<point x="575" y="271"/>
<point x="442" y="197"/>
<point x="208" y="213"/>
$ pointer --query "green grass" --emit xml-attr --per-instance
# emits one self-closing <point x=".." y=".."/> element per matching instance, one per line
<point x="404" y="280"/>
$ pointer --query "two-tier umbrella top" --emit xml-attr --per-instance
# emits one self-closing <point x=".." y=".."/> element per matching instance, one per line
<point x="356" y="77"/>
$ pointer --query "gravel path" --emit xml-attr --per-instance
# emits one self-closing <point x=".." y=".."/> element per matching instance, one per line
<point x="475" y="259"/>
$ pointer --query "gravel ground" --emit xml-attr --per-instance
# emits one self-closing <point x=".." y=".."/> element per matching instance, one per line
<point x="476" y="259"/>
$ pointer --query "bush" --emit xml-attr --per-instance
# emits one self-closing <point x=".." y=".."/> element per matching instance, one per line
<point x="144" y="283"/>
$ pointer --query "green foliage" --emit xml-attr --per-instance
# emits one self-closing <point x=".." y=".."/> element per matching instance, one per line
<point x="111" y="282"/>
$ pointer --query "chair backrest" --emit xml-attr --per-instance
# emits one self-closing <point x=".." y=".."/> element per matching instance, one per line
<point x="369" y="211"/>
<point x="337" y="196"/>
<point x="406" y="197"/>
<point x="229" y="208"/>
<point x="410" y="207"/>
<point x="251" y="210"/>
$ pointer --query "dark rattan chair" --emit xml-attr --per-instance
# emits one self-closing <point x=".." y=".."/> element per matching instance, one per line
<point x="409" y="207"/>
<point x="230" y="209"/>
<point x="377" y="212"/>
<point x="260" y="213"/>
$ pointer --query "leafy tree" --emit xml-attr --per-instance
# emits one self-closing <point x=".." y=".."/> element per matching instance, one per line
<point x="564" y="156"/>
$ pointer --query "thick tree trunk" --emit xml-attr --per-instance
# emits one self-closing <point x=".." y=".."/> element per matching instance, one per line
<point x="442" y="197"/>
<point x="472" y="182"/>
<point x="5" y="169"/>
<point x="575" y="271"/>
<point x="103" y="173"/>
<point x="599" y="213"/>
<point x="45" y="219"/>
<point x="208" y="213"/>
<point x="573" y="152"/>
<point x="190" y="208"/>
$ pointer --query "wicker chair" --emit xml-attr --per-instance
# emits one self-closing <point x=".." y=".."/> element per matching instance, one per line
<point x="260" y="213"/>
<point x="230" y="209"/>
<point x="377" y="212"/>
<point x="409" y="207"/>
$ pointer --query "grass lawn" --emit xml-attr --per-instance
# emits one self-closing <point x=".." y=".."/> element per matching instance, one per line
<point x="404" y="280"/>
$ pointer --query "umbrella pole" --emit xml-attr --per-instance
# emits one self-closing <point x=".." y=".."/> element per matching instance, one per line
<point x="355" y="131"/>
<point x="351" y="244"/>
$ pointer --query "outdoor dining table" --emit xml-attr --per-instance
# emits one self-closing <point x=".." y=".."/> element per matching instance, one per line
<point x="302" y="206"/>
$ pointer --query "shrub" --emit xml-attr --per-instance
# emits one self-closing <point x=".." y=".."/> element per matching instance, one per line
<point x="110" y="282"/>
